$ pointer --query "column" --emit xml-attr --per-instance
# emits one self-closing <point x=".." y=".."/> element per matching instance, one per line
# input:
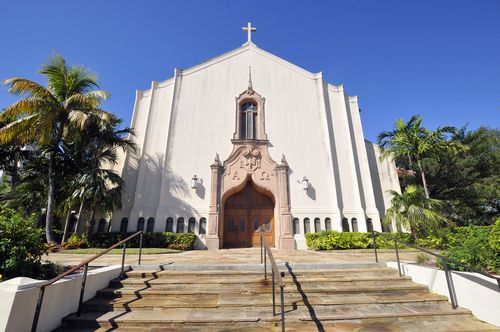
<point x="213" y="239"/>
<point x="286" y="236"/>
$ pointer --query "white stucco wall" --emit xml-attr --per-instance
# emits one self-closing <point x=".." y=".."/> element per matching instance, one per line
<point x="183" y="122"/>
<point x="474" y="291"/>
<point x="19" y="296"/>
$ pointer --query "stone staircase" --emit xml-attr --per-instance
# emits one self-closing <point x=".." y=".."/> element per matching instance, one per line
<point x="367" y="297"/>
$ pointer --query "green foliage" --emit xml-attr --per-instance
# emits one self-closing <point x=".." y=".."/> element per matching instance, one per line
<point x="150" y="240"/>
<point x="494" y="237"/>
<point x="414" y="211"/>
<point x="470" y="180"/>
<point x="423" y="259"/>
<point x="470" y="246"/>
<point x="76" y="241"/>
<point x="333" y="240"/>
<point x="412" y="142"/>
<point x="21" y="246"/>
<point x="183" y="241"/>
<point x="69" y="135"/>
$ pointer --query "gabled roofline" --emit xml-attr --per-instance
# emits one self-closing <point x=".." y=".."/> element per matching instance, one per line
<point x="248" y="46"/>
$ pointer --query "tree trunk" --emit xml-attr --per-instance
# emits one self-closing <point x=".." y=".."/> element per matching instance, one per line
<point x="15" y="170"/>
<point x="424" y="182"/>
<point x="51" y="195"/>
<point x="92" y="213"/>
<point x="66" y="226"/>
<point x="51" y="199"/>
<point x="80" y="211"/>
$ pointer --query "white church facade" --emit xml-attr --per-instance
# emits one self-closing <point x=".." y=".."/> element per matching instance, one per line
<point x="248" y="139"/>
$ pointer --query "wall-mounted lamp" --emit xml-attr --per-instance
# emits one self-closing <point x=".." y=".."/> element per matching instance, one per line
<point x="305" y="183"/>
<point x="195" y="181"/>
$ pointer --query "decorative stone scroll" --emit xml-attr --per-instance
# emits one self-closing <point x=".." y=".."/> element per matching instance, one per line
<point x="249" y="159"/>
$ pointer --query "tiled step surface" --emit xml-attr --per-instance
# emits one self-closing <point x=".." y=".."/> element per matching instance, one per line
<point x="356" y="299"/>
<point x="137" y="302"/>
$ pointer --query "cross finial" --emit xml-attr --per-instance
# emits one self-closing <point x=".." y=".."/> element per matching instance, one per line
<point x="249" y="29"/>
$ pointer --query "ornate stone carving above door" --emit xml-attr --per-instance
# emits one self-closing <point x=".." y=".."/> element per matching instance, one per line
<point x="249" y="159"/>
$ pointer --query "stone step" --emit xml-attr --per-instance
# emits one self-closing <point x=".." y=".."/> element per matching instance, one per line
<point x="264" y="287"/>
<point x="136" y="302"/>
<point x="410" y="324"/>
<point x="187" y="279"/>
<point x="259" y="271"/>
<point x="229" y="315"/>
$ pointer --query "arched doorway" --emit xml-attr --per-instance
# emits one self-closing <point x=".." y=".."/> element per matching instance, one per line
<point x="244" y="213"/>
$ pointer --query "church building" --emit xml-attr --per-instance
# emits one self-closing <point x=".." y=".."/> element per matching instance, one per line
<point x="248" y="139"/>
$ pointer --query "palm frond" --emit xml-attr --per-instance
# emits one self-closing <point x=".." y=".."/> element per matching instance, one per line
<point x="20" y="86"/>
<point x="89" y="100"/>
<point x="19" y="130"/>
<point x="26" y="106"/>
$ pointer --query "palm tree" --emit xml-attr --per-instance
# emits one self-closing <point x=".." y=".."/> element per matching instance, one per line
<point x="46" y="113"/>
<point x="413" y="210"/>
<point x="412" y="141"/>
<point x="96" y="184"/>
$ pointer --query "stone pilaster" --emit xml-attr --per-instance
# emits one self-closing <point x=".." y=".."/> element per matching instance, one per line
<point x="286" y="236"/>
<point x="213" y="239"/>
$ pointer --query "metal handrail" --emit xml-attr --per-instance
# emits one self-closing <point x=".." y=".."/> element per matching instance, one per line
<point x="85" y="265"/>
<point x="446" y="261"/>
<point x="265" y="251"/>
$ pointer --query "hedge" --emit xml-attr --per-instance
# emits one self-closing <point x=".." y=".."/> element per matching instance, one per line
<point x="333" y="240"/>
<point x="475" y="246"/>
<point x="441" y="239"/>
<point x="182" y="241"/>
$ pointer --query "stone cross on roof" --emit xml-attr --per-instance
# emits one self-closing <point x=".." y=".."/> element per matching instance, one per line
<point x="249" y="29"/>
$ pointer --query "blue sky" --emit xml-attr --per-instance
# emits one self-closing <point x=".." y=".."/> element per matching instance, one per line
<point x="439" y="59"/>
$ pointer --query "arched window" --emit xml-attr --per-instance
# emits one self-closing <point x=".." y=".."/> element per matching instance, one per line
<point x="345" y="225"/>
<point x="180" y="225"/>
<point x="369" y="225"/>
<point x="307" y="226"/>
<point x="328" y="224"/>
<point x="203" y="226"/>
<point x="354" y="223"/>
<point x="191" y="225"/>
<point x="317" y="225"/>
<point x="140" y="224"/>
<point x="296" y="227"/>
<point x="248" y="120"/>
<point x="101" y="226"/>
<point x="124" y="225"/>
<point x="169" y="227"/>
<point x="151" y="225"/>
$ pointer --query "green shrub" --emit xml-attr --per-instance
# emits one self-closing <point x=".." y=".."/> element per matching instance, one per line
<point x="150" y="240"/>
<point x="423" y="259"/>
<point x="431" y="242"/>
<point x="49" y="270"/>
<point x="473" y="250"/>
<point x="183" y="241"/>
<point x="333" y="240"/>
<point x="21" y="245"/>
<point x="494" y="237"/>
<point x="76" y="241"/>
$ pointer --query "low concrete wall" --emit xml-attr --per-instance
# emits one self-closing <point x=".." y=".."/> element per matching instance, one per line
<point x="18" y="298"/>
<point x="474" y="291"/>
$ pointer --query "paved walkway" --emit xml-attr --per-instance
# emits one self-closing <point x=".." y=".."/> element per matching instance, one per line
<point x="239" y="256"/>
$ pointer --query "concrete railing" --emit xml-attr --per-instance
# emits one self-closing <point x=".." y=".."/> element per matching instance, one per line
<point x="19" y="296"/>
<point x="473" y="291"/>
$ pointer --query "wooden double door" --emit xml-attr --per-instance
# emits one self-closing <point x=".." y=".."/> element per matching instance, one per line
<point x="244" y="213"/>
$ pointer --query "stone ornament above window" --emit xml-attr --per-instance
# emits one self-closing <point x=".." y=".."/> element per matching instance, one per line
<point x="249" y="115"/>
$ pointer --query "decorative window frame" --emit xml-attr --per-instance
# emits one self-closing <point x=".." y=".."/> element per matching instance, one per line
<point x="249" y="95"/>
